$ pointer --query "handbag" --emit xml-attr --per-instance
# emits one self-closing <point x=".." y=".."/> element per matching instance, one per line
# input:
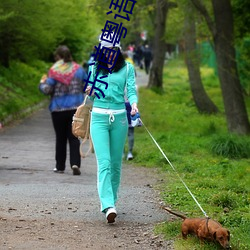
<point x="81" y="126"/>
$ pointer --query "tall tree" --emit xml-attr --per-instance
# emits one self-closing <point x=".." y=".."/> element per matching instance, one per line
<point x="223" y="38"/>
<point x="159" y="47"/>
<point x="201" y="99"/>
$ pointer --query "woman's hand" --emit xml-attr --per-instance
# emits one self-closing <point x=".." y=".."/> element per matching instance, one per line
<point x="43" y="79"/>
<point x="134" y="109"/>
<point x="88" y="89"/>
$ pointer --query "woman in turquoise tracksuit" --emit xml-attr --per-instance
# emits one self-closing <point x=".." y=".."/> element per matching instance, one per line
<point x="109" y="125"/>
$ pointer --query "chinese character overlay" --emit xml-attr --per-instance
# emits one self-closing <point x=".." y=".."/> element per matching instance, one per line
<point x="126" y="8"/>
<point x="112" y="32"/>
<point x="106" y="55"/>
<point x="93" y="84"/>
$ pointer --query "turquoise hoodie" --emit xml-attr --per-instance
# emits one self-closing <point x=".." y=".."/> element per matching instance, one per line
<point x="117" y="84"/>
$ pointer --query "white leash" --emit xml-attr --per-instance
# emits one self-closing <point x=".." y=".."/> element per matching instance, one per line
<point x="174" y="169"/>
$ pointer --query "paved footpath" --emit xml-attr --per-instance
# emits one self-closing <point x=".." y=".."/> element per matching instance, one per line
<point x="32" y="195"/>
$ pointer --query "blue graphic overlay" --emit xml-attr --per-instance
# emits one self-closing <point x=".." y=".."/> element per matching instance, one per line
<point x="126" y="9"/>
<point x="94" y="83"/>
<point x="112" y="32"/>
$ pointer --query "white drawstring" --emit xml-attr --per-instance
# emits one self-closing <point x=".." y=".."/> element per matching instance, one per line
<point x="110" y="112"/>
<point x="111" y="117"/>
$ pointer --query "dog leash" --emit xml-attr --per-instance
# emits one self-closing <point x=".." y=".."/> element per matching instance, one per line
<point x="174" y="169"/>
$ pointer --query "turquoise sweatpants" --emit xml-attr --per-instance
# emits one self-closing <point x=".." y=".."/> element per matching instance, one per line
<point x="108" y="138"/>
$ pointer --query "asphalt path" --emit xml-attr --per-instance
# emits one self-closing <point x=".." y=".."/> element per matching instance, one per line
<point x="31" y="190"/>
<point x="26" y="164"/>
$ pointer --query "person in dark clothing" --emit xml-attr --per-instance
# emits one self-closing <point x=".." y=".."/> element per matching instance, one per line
<point x="65" y="84"/>
<point x="147" y="58"/>
<point x="139" y="56"/>
<point x="91" y="56"/>
<point x="130" y="133"/>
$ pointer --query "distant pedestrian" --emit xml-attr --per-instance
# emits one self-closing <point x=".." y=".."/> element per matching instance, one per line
<point x="128" y="109"/>
<point x="139" y="56"/>
<point x="130" y="133"/>
<point x="65" y="84"/>
<point x="147" y="54"/>
<point x="91" y="56"/>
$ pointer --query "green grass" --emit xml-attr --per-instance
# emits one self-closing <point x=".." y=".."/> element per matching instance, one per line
<point x="19" y="87"/>
<point x="214" y="164"/>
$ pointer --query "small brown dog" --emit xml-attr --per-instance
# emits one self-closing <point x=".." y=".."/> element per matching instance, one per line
<point x="204" y="229"/>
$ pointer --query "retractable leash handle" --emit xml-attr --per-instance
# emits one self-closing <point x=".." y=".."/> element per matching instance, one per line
<point x="174" y="169"/>
<point x="135" y="120"/>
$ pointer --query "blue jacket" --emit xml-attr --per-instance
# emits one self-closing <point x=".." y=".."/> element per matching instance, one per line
<point x="65" y="97"/>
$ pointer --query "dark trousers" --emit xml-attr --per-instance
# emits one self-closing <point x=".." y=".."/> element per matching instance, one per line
<point x="147" y="65"/>
<point x="131" y="139"/>
<point x="62" y="122"/>
<point x="130" y="129"/>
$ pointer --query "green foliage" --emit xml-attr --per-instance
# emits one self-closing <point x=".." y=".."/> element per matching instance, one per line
<point x="210" y="129"/>
<point x="141" y="20"/>
<point x="243" y="60"/>
<point x="41" y="29"/>
<point x="19" y="87"/>
<point x="224" y="200"/>
<point x="231" y="146"/>
<point x="241" y="17"/>
<point x="219" y="183"/>
<point x="175" y="25"/>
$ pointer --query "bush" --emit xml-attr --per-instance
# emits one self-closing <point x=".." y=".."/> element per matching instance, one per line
<point x="19" y="88"/>
<point x="224" y="200"/>
<point x="231" y="146"/>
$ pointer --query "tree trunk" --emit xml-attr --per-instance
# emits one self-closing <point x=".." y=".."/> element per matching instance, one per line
<point x="159" y="47"/>
<point x="235" y="109"/>
<point x="201" y="99"/>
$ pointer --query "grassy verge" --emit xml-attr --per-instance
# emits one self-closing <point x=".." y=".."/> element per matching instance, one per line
<point x="214" y="164"/>
<point x="19" y="88"/>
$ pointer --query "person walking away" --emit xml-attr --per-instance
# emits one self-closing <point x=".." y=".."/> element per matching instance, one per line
<point x="65" y="84"/>
<point x="109" y="125"/>
<point x="147" y="58"/>
<point x="130" y="133"/>
<point x="91" y="56"/>
<point x="139" y="52"/>
<point x="128" y="109"/>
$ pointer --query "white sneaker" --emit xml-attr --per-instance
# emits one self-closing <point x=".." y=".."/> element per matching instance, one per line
<point x="111" y="214"/>
<point x="130" y="156"/>
<point x="58" y="171"/>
